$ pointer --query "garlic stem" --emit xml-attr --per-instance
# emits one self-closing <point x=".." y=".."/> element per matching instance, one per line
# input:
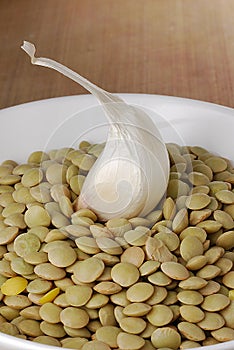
<point x="103" y="96"/>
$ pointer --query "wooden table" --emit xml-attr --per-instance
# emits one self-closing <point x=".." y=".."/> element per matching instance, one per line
<point x="170" y="47"/>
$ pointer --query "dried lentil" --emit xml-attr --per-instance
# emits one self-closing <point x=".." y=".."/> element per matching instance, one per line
<point x="190" y="233"/>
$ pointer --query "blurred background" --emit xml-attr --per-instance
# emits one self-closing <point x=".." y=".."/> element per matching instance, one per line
<point x="169" y="47"/>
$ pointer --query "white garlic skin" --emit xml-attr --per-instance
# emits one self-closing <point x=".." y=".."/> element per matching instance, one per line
<point x="131" y="175"/>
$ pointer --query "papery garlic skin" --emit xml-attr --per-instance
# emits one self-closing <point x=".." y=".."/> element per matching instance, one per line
<point x="134" y="154"/>
<point x="129" y="178"/>
<point x="131" y="175"/>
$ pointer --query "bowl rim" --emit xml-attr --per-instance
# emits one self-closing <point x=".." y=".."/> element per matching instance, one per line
<point x="91" y="98"/>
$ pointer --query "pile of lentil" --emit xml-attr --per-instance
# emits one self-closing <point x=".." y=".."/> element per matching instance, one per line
<point x="165" y="281"/>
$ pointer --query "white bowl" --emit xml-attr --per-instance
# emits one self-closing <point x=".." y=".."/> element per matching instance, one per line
<point x="63" y="122"/>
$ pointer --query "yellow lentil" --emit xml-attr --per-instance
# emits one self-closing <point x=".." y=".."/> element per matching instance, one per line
<point x="49" y="296"/>
<point x="14" y="286"/>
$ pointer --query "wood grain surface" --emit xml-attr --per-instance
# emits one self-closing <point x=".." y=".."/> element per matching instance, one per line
<point x="170" y="47"/>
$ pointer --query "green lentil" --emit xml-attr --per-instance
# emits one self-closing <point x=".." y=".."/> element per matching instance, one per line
<point x="172" y="268"/>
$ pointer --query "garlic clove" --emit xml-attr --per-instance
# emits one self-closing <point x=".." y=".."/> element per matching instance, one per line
<point x="131" y="175"/>
<point x="122" y="183"/>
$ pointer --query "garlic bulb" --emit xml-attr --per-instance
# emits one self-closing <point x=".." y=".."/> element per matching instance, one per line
<point x="131" y="175"/>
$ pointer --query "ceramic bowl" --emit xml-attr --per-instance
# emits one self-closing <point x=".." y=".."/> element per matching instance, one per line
<point x="63" y="122"/>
